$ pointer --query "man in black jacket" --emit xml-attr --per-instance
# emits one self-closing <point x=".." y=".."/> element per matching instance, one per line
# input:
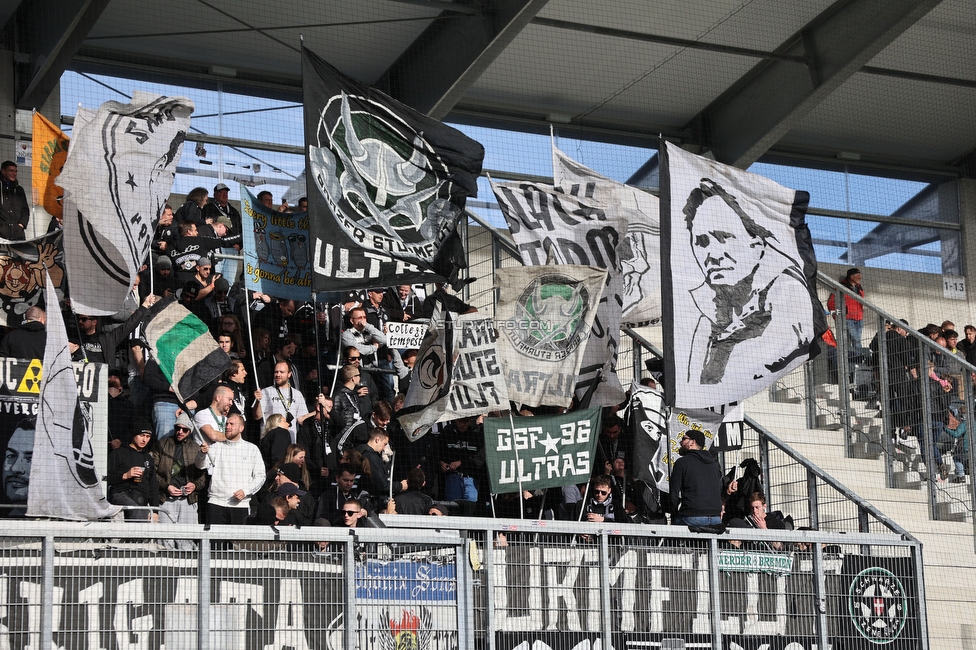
<point x="696" y="484"/>
<point x="14" y="208"/>
<point x="28" y="340"/>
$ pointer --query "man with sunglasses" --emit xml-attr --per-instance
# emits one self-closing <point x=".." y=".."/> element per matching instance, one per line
<point x="367" y="393"/>
<point x="180" y="481"/>
<point x="696" y="484"/>
<point x="352" y="513"/>
<point x="604" y="505"/>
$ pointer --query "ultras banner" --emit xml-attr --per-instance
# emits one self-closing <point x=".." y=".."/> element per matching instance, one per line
<point x="457" y="374"/>
<point x="544" y="316"/>
<point x="548" y="224"/>
<point x="541" y="452"/>
<point x="640" y="249"/>
<point x="276" y="256"/>
<point x="117" y="178"/>
<point x="737" y="260"/>
<point x="389" y="185"/>
<point x="63" y="459"/>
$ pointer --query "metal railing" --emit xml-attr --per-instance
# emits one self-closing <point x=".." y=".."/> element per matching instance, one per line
<point x="453" y="582"/>
<point x="895" y="417"/>
<point x="794" y="484"/>
<point x="819" y="500"/>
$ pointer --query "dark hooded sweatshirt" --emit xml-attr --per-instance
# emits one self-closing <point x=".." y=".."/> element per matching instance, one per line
<point x="696" y="486"/>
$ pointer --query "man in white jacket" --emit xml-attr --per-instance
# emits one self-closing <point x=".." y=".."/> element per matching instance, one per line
<point x="237" y="472"/>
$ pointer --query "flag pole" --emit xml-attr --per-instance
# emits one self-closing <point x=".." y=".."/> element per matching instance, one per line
<point x="518" y="465"/>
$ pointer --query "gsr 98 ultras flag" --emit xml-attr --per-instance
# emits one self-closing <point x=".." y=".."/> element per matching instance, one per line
<point x="390" y="185"/>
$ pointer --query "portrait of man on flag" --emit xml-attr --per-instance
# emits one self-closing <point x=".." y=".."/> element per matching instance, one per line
<point x="741" y="269"/>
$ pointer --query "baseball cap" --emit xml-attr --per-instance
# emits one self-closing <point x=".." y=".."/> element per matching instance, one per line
<point x="220" y="186"/>
<point x="697" y="436"/>
<point x="288" y="489"/>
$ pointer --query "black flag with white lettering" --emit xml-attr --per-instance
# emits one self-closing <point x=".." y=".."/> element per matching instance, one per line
<point x="390" y="185"/>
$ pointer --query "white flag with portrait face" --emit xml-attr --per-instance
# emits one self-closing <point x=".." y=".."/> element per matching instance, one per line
<point x="738" y="263"/>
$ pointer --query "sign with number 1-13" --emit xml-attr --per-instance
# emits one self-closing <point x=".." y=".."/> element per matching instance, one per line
<point x="953" y="287"/>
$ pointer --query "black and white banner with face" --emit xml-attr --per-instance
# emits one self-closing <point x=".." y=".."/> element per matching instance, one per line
<point x="389" y="185"/>
<point x="658" y="429"/>
<point x="117" y="178"/>
<point x="550" y="225"/>
<point x="640" y="249"/>
<point x="737" y="261"/>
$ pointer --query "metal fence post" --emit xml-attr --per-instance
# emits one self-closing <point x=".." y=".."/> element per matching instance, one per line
<point x="923" y="616"/>
<point x="605" y="600"/>
<point x="925" y="435"/>
<point x="715" y="586"/>
<point x="820" y="593"/>
<point x="489" y="582"/>
<point x="811" y="392"/>
<point x="884" y="397"/>
<point x="813" y="500"/>
<point x="969" y="420"/>
<point x="465" y="593"/>
<point x="843" y="369"/>
<point x="47" y="594"/>
<point x="203" y="594"/>
<point x="349" y="608"/>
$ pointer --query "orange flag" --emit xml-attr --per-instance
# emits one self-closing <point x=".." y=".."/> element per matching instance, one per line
<point x="50" y="151"/>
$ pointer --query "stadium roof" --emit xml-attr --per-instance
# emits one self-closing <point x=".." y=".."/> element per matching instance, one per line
<point x="888" y="83"/>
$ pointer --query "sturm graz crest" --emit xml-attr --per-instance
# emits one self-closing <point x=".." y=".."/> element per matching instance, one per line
<point x="550" y="318"/>
<point x="877" y="604"/>
<point x="385" y="184"/>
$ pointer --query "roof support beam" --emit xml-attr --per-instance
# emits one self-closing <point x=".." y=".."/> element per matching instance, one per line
<point x="51" y="38"/>
<point x="450" y="55"/>
<point x="759" y="109"/>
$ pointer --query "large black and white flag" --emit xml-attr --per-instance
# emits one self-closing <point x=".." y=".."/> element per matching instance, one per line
<point x="658" y="429"/>
<point x="737" y="260"/>
<point x="117" y="178"/>
<point x="545" y="223"/>
<point x="544" y="317"/>
<point x="63" y="474"/>
<point x="640" y="248"/>
<point x="390" y="185"/>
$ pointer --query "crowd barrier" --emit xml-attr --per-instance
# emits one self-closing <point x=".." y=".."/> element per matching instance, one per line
<point x="430" y="582"/>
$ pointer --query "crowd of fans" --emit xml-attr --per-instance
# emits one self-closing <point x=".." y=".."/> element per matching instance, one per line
<point x="302" y="429"/>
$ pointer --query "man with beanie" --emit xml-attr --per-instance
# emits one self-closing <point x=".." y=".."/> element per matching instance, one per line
<point x="696" y="484"/>
<point x="132" y="474"/>
<point x="14" y="208"/>
<point x="180" y="481"/>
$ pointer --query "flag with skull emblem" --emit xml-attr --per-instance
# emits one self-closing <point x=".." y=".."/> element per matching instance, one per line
<point x="389" y="185"/>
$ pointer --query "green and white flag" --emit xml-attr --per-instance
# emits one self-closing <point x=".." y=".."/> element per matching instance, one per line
<point x="544" y="316"/>
<point x="541" y="452"/>
<point x="183" y="347"/>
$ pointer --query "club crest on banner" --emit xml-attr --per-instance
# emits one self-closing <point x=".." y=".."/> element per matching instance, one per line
<point x="375" y="171"/>
<point x="548" y="318"/>
<point x="878" y="605"/>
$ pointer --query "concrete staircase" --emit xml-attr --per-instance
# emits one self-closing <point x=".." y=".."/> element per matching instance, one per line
<point x="948" y="546"/>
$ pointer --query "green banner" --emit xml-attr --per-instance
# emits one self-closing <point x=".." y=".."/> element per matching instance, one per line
<point x="541" y="452"/>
